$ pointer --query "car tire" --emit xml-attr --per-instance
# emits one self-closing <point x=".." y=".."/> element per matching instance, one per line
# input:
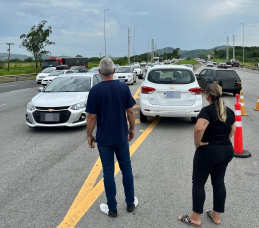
<point x="194" y="120"/>
<point x="143" y="118"/>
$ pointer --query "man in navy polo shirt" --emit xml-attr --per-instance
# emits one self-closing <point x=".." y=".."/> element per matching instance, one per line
<point x="108" y="102"/>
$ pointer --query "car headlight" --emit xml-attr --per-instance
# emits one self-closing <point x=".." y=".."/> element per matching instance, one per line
<point x="30" y="107"/>
<point x="79" y="106"/>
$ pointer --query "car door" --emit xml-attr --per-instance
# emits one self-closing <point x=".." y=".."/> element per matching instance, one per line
<point x="200" y="78"/>
<point x="207" y="79"/>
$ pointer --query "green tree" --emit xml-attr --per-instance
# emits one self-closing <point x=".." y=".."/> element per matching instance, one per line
<point x="36" y="40"/>
<point x="78" y="56"/>
<point x="28" y="60"/>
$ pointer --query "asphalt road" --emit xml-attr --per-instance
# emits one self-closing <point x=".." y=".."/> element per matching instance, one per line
<point x="43" y="170"/>
<point x="7" y="87"/>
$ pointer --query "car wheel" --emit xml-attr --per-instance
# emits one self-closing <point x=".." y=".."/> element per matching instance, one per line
<point x="194" y="119"/>
<point x="143" y="118"/>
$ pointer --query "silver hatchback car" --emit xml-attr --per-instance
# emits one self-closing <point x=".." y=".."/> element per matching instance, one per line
<point x="62" y="103"/>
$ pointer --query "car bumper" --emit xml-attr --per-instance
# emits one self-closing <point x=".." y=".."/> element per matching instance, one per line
<point x="73" y="120"/>
<point x="171" y="111"/>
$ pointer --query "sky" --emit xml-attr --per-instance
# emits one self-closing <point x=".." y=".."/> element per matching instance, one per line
<point x="78" y="25"/>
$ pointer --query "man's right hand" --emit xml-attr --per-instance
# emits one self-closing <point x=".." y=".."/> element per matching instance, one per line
<point x="131" y="134"/>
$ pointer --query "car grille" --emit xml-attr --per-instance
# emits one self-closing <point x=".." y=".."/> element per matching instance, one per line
<point x="121" y="76"/>
<point x="63" y="117"/>
<point x="53" y="108"/>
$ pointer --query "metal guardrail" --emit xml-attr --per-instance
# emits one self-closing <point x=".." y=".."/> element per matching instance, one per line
<point x="16" y="78"/>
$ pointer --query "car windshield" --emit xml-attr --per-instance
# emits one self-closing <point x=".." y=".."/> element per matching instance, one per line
<point x="48" y="70"/>
<point x="227" y="74"/>
<point x="170" y="76"/>
<point x="123" y="70"/>
<point x="56" y="73"/>
<point x="75" y="68"/>
<point x="69" y="84"/>
<point x="94" y="69"/>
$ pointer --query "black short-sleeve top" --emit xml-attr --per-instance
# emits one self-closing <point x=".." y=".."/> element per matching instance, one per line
<point x="217" y="132"/>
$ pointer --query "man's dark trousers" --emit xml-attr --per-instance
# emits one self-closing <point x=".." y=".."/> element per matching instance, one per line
<point x="107" y="157"/>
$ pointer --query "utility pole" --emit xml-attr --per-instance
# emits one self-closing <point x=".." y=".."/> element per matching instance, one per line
<point x="9" y="54"/>
<point x="148" y="47"/>
<point x="227" y="49"/>
<point x="234" y="57"/>
<point x="129" y="41"/>
<point x="243" y="42"/>
<point x="134" y="42"/>
<point x="100" y="54"/>
<point x="152" y="50"/>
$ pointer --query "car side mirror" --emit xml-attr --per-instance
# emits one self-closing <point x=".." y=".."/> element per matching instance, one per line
<point x="197" y="74"/>
<point x="40" y="89"/>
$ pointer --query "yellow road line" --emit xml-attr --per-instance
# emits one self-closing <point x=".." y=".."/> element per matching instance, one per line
<point x="92" y="177"/>
<point x="74" y="215"/>
<point x="136" y="94"/>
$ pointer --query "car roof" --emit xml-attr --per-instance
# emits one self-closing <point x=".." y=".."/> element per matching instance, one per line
<point x="217" y="69"/>
<point x="87" y="74"/>
<point x="163" y="67"/>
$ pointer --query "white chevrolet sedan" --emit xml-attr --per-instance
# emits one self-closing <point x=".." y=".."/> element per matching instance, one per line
<point x="62" y="103"/>
<point x="170" y="91"/>
<point x="125" y="74"/>
<point x="44" y="73"/>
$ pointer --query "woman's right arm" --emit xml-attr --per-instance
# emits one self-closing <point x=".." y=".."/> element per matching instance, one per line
<point x="233" y="129"/>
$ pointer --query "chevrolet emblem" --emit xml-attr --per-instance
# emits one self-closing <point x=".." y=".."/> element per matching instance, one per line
<point x="50" y="110"/>
<point x="171" y="87"/>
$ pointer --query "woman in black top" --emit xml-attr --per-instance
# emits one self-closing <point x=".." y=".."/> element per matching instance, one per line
<point x="213" y="130"/>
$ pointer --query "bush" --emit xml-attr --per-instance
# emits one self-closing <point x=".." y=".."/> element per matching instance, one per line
<point x="2" y="64"/>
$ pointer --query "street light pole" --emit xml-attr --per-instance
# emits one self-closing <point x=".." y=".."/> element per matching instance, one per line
<point x="243" y="42"/>
<point x="104" y="33"/>
<point x="134" y="42"/>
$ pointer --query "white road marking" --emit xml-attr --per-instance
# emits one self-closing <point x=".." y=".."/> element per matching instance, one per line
<point x="7" y="86"/>
<point x="2" y="104"/>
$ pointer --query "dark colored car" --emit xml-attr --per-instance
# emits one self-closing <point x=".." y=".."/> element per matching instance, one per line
<point x="227" y="79"/>
<point x="62" y="67"/>
<point x="79" y="69"/>
<point x="222" y="65"/>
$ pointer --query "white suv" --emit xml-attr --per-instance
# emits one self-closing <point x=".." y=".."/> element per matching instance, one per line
<point x="170" y="91"/>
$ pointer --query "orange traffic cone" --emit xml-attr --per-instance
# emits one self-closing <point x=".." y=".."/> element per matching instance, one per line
<point x="257" y="105"/>
<point x="238" y="135"/>
<point x="243" y="108"/>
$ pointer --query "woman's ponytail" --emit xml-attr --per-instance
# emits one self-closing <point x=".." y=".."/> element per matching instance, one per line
<point x="215" y="92"/>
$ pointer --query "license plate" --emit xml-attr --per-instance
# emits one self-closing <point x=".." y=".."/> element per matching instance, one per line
<point x="172" y="94"/>
<point x="50" y="117"/>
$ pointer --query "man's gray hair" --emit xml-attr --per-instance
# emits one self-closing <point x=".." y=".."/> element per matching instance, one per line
<point x="106" y="67"/>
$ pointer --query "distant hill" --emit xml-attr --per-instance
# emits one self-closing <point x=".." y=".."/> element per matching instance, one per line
<point x="4" y="56"/>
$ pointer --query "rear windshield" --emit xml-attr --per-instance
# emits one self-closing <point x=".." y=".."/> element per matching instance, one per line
<point x="123" y="70"/>
<point x="170" y="76"/>
<point x="227" y="74"/>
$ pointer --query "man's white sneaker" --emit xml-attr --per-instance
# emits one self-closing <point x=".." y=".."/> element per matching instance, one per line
<point x="105" y="209"/>
<point x="133" y="206"/>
